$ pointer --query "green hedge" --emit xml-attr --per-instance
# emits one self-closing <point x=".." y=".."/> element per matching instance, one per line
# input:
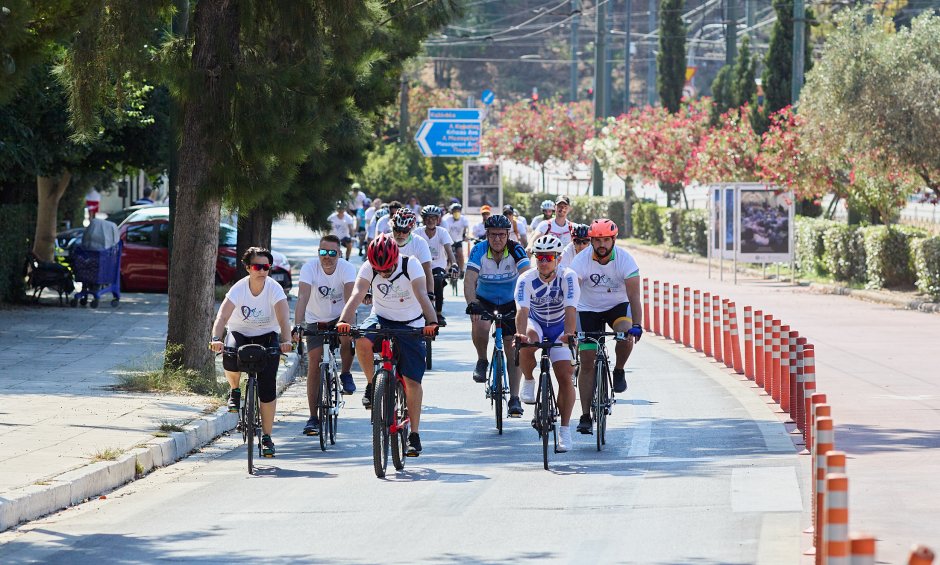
<point x="693" y="231"/>
<point x="808" y="244"/>
<point x="584" y="209"/>
<point x="647" y="223"/>
<point x="18" y="224"/>
<point x="844" y="253"/>
<point x="888" y="255"/>
<point x="926" y="254"/>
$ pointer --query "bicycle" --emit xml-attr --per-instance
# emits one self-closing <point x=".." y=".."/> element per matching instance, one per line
<point x="497" y="382"/>
<point x="453" y="277"/>
<point x="603" y="402"/>
<point x="546" y="407"/>
<point x="251" y="359"/>
<point x="329" y="397"/>
<point x="389" y="403"/>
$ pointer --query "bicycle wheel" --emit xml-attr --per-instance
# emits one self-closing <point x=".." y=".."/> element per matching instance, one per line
<point x="601" y="396"/>
<point x="498" y="370"/>
<point x="250" y="421"/>
<point x="381" y="417"/>
<point x="400" y="440"/>
<point x="302" y="355"/>
<point x="334" y="417"/>
<point x="323" y="404"/>
<point x="545" y="416"/>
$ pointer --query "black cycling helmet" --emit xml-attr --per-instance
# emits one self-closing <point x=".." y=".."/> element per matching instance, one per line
<point x="579" y="231"/>
<point x="497" y="222"/>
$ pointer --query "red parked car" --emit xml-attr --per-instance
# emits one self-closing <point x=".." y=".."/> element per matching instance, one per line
<point x="145" y="259"/>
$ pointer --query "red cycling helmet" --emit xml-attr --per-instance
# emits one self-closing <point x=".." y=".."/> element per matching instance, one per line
<point x="383" y="253"/>
<point x="603" y="228"/>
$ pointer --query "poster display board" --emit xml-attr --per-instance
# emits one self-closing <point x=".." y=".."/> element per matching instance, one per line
<point x="482" y="184"/>
<point x="764" y="225"/>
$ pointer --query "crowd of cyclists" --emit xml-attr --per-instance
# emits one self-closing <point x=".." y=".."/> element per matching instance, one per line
<point x="581" y="282"/>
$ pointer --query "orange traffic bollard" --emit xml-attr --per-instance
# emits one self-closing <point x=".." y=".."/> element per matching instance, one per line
<point x="646" y="305"/>
<point x="656" y="329"/>
<point x="735" y="339"/>
<point x="920" y="555"/>
<point x="759" y="348"/>
<point x="687" y="317"/>
<point x="824" y="443"/>
<point x="749" y="342"/>
<point x="717" y="351"/>
<point x="809" y="389"/>
<point x="707" y="324"/>
<point x="726" y="354"/>
<point x="775" y="361"/>
<point x="784" y="381"/>
<point x="676" y="307"/>
<point x="768" y="353"/>
<point x="697" y="318"/>
<point x="837" y="519"/>
<point x="667" y="311"/>
<point x="862" y="549"/>
<point x="792" y="376"/>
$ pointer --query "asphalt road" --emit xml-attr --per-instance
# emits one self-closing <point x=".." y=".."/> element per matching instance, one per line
<point x="697" y="469"/>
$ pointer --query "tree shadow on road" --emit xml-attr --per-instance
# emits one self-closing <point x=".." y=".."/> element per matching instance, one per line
<point x="867" y="439"/>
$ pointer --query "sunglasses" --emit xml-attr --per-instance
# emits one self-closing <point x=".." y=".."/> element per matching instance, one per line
<point x="259" y="267"/>
<point x="545" y="257"/>
<point x="328" y="253"/>
<point x="396" y="230"/>
<point x="582" y="241"/>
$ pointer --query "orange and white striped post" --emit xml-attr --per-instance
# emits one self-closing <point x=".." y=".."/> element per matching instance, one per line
<point x="759" y="348"/>
<point x="862" y="549"/>
<point x="921" y="555"/>
<point x="676" y="311"/>
<point x="775" y="361"/>
<point x="824" y="443"/>
<point x="735" y="339"/>
<point x="726" y="354"/>
<point x="809" y="390"/>
<point x="792" y="377"/>
<point x="768" y="353"/>
<point x="717" y="351"/>
<point x="697" y="317"/>
<point x="707" y="324"/>
<point x="667" y="311"/>
<point x="815" y="399"/>
<point x="837" y="519"/>
<point x="656" y="329"/>
<point x="785" y="368"/>
<point x="687" y="317"/>
<point x="646" y="305"/>
<point x="749" y="342"/>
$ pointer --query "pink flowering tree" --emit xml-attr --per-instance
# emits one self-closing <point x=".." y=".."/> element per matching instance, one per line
<point x="727" y="153"/>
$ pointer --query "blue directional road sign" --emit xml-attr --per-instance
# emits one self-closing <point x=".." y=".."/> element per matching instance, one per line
<point x="455" y="114"/>
<point x="439" y="138"/>
<point x="487" y="97"/>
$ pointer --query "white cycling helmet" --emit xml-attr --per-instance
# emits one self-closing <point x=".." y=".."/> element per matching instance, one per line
<point x="548" y="205"/>
<point x="548" y="244"/>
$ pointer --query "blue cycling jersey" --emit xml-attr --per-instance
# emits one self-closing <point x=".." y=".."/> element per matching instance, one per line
<point x="497" y="280"/>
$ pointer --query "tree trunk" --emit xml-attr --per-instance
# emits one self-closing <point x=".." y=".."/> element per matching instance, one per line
<point x="50" y="190"/>
<point x="196" y="226"/>
<point x="254" y="230"/>
<point x="673" y="192"/>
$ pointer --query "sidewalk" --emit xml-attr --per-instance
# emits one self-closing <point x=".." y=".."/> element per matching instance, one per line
<point x="57" y="407"/>
<point x="880" y="367"/>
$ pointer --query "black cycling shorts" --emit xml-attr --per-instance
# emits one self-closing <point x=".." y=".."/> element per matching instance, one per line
<point x="345" y="241"/>
<point x="267" y="380"/>
<point x="509" y="324"/>
<point x="315" y="341"/>
<point x="595" y="321"/>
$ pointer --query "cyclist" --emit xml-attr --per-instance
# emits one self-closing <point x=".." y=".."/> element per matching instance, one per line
<point x="260" y="308"/>
<point x="457" y="225"/>
<point x="372" y="230"/>
<point x="479" y="230"/>
<point x="369" y="219"/>
<point x="361" y="227"/>
<point x="342" y="226"/>
<point x="579" y="241"/>
<point x="402" y="225"/>
<point x="383" y="225"/>
<point x="546" y="301"/>
<point x="548" y="210"/>
<point x="492" y="270"/>
<point x="610" y="294"/>
<point x="399" y="302"/>
<point x="442" y="253"/>
<point x="518" y="231"/>
<point x="559" y="226"/>
<point x="326" y="283"/>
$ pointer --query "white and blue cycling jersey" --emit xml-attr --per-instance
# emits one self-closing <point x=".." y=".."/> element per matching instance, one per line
<point x="497" y="280"/>
<point x="547" y="301"/>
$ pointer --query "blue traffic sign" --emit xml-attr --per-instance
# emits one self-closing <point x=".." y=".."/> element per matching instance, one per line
<point x="455" y="114"/>
<point x="487" y="97"/>
<point x="449" y="138"/>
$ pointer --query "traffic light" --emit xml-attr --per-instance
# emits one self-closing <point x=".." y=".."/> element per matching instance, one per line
<point x="590" y="93"/>
<point x="533" y="102"/>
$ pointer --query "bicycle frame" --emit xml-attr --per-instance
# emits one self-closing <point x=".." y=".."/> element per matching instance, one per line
<point x="389" y="365"/>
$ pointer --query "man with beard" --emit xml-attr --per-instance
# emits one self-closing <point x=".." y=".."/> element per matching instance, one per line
<point x="610" y="294"/>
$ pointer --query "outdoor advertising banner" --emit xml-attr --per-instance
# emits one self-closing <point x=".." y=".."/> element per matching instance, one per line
<point x="765" y="224"/>
<point x="482" y="184"/>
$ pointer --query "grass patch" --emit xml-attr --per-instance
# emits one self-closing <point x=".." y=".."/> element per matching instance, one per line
<point x="166" y="426"/>
<point x="160" y="434"/>
<point x="152" y="375"/>
<point x="138" y="469"/>
<point x="109" y="454"/>
<point x="215" y="402"/>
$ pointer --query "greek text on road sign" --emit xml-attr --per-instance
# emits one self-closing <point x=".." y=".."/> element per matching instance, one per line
<point x="455" y="114"/>
<point x="449" y="138"/>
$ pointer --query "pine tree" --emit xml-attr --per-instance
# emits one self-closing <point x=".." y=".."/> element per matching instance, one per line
<point x="671" y="61"/>
<point x="722" y="98"/>
<point x="743" y="85"/>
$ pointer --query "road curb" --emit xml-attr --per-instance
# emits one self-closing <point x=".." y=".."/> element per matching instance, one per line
<point x="76" y="486"/>
<point x="905" y="303"/>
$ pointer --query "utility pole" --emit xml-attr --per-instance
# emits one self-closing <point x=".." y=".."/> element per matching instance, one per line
<point x="626" y="56"/>
<point x="651" y="67"/>
<point x="600" y="96"/>
<point x="608" y="63"/>
<point x="404" y="121"/>
<point x="731" y="31"/>
<point x="575" y="23"/>
<point x="749" y="9"/>
<point x="799" y="49"/>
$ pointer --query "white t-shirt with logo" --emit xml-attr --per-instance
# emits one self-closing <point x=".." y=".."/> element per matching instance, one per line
<point x="393" y="297"/>
<point x="551" y="227"/>
<point x="603" y="286"/>
<point x="326" y="293"/>
<point x="436" y="245"/>
<point x="456" y="228"/>
<point x="341" y="227"/>
<point x="254" y="315"/>
<point x="417" y="248"/>
<point x="547" y="301"/>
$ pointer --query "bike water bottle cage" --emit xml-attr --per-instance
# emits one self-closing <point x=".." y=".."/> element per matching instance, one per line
<point x="252" y="358"/>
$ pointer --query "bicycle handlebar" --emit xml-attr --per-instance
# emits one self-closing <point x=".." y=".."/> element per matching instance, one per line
<point x="271" y="350"/>
<point x="595" y="336"/>
<point x="544" y="345"/>
<point x="389" y="332"/>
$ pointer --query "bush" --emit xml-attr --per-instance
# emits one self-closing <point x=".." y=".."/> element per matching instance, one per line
<point x="669" y="219"/>
<point x="808" y="245"/>
<point x="888" y="256"/>
<point x="693" y="231"/>
<point x="926" y="254"/>
<point x="18" y="224"/>
<point x="646" y="222"/>
<point x="844" y="253"/>
<point x="529" y="204"/>
<point x="584" y="209"/>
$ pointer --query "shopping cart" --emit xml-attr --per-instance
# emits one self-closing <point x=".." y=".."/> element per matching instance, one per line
<point x="99" y="272"/>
